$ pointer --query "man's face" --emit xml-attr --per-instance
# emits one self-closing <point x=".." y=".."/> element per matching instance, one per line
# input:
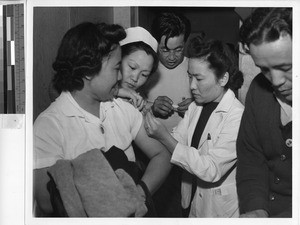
<point x="275" y="61"/>
<point x="172" y="54"/>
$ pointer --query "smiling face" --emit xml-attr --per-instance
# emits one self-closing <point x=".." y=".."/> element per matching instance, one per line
<point x="136" y="68"/>
<point x="203" y="82"/>
<point x="103" y="86"/>
<point x="275" y="61"/>
<point x="172" y="54"/>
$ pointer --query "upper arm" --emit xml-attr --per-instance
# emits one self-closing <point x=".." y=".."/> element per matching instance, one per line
<point x="148" y="145"/>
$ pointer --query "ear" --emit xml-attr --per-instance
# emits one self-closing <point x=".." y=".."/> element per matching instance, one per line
<point x="223" y="81"/>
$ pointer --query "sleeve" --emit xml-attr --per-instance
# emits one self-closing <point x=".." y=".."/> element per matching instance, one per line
<point x="134" y="116"/>
<point x="212" y="160"/>
<point x="47" y="143"/>
<point x="252" y="170"/>
<point x="180" y="131"/>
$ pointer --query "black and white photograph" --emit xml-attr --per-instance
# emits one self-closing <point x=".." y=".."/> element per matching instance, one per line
<point x="150" y="112"/>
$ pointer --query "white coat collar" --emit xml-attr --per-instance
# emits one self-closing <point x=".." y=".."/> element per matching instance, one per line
<point x="226" y="102"/>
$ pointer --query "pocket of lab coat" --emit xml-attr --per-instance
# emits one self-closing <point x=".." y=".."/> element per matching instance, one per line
<point x="207" y="144"/>
<point x="225" y="201"/>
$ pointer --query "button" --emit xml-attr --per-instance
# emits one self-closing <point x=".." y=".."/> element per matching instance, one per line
<point x="282" y="157"/>
<point x="289" y="142"/>
<point x="272" y="197"/>
<point x="276" y="180"/>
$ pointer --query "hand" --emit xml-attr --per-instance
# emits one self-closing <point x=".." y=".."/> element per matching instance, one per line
<point x="259" y="213"/>
<point x="162" y="107"/>
<point x="154" y="128"/>
<point x="133" y="97"/>
<point x="183" y="106"/>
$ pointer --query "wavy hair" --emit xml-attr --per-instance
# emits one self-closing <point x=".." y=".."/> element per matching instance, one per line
<point x="266" y="25"/>
<point x="81" y="52"/>
<point x="221" y="59"/>
<point x="170" y="25"/>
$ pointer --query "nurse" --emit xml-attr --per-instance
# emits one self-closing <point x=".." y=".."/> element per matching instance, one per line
<point x="204" y="142"/>
<point x="139" y="62"/>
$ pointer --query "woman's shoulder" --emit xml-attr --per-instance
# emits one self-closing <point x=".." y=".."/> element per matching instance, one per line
<point x="55" y="111"/>
<point x="121" y="106"/>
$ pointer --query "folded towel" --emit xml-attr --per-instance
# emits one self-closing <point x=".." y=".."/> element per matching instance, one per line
<point x="89" y="187"/>
<point x="62" y="174"/>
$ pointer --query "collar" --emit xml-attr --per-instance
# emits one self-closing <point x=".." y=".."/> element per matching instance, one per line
<point x="72" y="109"/>
<point x="286" y="111"/>
<point x="226" y="102"/>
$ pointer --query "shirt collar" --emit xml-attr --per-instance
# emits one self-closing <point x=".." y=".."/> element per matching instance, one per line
<point x="226" y="101"/>
<point x="71" y="108"/>
<point x="286" y="110"/>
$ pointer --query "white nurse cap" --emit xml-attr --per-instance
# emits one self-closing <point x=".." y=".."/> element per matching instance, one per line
<point x="134" y="34"/>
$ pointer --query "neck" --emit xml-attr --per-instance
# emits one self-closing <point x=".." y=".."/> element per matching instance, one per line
<point x="87" y="102"/>
<point x="219" y="98"/>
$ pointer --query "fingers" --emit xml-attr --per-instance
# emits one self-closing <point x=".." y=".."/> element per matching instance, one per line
<point x="162" y="106"/>
<point x="185" y="102"/>
<point x="184" y="105"/>
<point x="141" y="105"/>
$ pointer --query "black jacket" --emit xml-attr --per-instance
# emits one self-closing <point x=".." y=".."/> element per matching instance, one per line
<point x="264" y="167"/>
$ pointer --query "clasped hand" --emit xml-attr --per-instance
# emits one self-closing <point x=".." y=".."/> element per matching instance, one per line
<point x="133" y="97"/>
<point x="153" y="127"/>
<point x="163" y="107"/>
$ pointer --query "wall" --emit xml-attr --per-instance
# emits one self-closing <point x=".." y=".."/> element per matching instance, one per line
<point x="218" y="23"/>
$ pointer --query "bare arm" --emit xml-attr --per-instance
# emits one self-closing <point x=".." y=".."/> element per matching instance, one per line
<point x="158" y="131"/>
<point x="159" y="164"/>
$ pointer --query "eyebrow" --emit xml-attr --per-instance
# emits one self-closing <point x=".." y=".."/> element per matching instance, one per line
<point x="283" y="65"/>
<point x="181" y="46"/>
<point x="194" y="74"/>
<point x="277" y="66"/>
<point x="136" y="64"/>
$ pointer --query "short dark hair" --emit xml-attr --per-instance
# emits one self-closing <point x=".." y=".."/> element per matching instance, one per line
<point x="81" y="52"/>
<point x="139" y="45"/>
<point x="170" y="25"/>
<point x="266" y="25"/>
<point x="220" y="57"/>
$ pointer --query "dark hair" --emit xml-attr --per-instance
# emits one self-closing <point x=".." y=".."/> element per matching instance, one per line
<point x="170" y="25"/>
<point x="221" y="59"/>
<point x="81" y="52"/>
<point x="139" y="45"/>
<point x="266" y="25"/>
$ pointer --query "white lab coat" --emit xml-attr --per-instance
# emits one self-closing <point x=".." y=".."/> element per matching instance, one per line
<point x="212" y="159"/>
